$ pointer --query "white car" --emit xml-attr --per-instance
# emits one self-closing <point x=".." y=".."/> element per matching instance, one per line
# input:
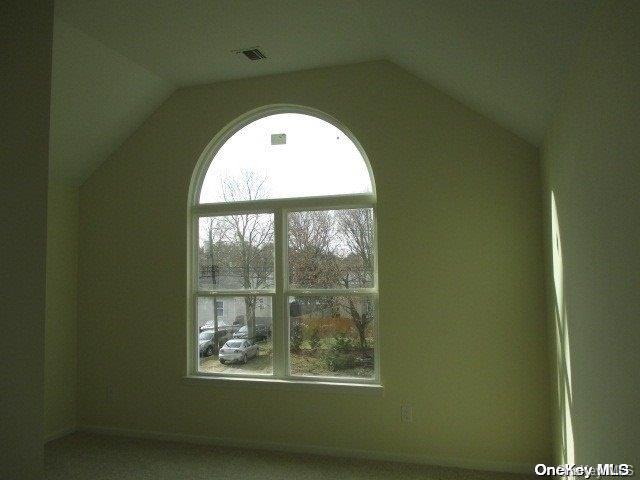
<point x="237" y="350"/>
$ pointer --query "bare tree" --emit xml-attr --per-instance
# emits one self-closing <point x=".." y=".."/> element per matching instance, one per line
<point x="239" y="248"/>
<point x="334" y="248"/>
<point x="327" y="249"/>
<point x="355" y="229"/>
<point x="311" y="243"/>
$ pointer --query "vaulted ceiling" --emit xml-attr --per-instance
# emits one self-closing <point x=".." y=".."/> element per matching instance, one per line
<point x="115" y="61"/>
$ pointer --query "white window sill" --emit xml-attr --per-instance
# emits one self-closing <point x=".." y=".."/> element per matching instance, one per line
<point x="278" y="384"/>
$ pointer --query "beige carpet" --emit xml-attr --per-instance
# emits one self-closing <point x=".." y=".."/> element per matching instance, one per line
<point x="95" y="457"/>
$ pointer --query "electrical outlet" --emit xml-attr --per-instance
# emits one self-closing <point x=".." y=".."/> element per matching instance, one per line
<point x="109" y="394"/>
<point x="406" y="413"/>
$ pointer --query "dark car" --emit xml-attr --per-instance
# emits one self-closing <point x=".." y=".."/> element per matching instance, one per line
<point x="260" y="332"/>
<point x="209" y="342"/>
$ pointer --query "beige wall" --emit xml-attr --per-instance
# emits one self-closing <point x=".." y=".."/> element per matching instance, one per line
<point x="26" y="29"/>
<point x="592" y="166"/>
<point x="461" y="273"/>
<point x="60" y="371"/>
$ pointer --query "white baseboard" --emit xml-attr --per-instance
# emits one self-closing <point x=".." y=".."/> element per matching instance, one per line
<point x="488" y="465"/>
<point x="59" y="434"/>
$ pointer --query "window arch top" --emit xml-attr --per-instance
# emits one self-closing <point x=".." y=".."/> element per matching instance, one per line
<point x="285" y="155"/>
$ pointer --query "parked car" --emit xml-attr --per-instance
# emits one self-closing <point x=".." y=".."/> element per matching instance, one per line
<point x="260" y="332"/>
<point x="238" y="350"/>
<point x="209" y="341"/>
<point x="221" y="327"/>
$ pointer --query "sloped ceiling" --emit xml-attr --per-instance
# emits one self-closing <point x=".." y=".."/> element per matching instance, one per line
<point x="98" y="98"/>
<point x="507" y="59"/>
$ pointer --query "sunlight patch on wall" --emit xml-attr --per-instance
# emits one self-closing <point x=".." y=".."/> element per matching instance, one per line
<point x="563" y="353"/>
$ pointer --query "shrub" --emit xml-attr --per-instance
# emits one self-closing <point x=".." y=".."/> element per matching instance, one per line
<point x="340" y="355"/>
<point x="342" y="343"/>
<point x="339" y="361"/>
<point x="315" y="339"/>
<point x="296" y="336"/>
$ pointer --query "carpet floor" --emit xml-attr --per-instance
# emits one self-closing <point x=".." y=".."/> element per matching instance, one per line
<point x="83" y="456"/>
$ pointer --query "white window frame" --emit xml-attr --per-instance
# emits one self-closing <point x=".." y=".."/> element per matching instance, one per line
<point x="279" y="208"/>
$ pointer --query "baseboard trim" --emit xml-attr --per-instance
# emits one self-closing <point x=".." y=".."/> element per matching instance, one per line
<point x="492" y="466"/>
<point x="59" y="434"/>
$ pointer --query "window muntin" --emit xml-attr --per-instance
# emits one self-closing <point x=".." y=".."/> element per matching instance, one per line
<point x="277" y="279"/>
<point x="304" y="166"/>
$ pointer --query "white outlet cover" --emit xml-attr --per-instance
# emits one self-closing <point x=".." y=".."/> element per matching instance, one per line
<point x="406" y="413"/>
<point x="278" y="139"/>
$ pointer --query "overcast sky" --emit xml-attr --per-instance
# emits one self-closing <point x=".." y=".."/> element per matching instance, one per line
<point x="317" y="159"/>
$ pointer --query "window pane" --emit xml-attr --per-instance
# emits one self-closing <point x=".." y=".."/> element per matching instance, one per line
<point x="332" y="336"/>
<point x="236" y="252"/>
<point x="222" y="346"/>
<point x="331" y="248"/>
<point x="313" y="158"/>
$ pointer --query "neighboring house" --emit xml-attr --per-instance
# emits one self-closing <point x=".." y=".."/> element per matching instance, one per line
<point x="224" y="277"/>
<point x="229" y="310"/>
<point x="232" y="311"/>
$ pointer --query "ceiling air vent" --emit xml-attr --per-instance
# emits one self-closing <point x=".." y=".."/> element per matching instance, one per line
<point x="253" y="54"/>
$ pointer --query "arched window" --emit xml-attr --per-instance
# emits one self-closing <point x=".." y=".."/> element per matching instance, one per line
<point x="283" y="265"/>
